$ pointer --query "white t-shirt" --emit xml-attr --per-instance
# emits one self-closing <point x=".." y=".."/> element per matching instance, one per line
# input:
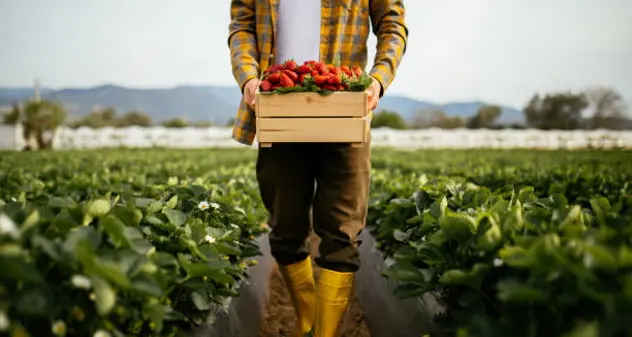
<point x="298" y="31"/>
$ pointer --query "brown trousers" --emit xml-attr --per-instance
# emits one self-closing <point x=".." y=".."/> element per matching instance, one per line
<point x="331" y="180"/>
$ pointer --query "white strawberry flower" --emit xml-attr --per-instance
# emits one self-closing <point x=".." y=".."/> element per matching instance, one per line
<point x="215" y="205"/>
<point x="59" y="328"/>
<point x="4" y="321"/>
<point x="101" y="333"/>
<point x="81" y="281"/>
<point x="209" y="239"/>
<point x="8" y="227"/>
<point x="203" y="205"/>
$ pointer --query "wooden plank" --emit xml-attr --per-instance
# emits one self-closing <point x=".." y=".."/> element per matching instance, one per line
<point x="311" y="104"/>
<point x="318" y="130"/>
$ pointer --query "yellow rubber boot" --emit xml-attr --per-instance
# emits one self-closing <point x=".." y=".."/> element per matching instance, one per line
<point x="332" y="299"/>
<point x="299" y="279"/>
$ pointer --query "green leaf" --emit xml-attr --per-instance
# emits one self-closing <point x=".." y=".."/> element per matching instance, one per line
<point x="400" y="235"/>
<point x="599" y="257"/>
<point x="584" y="330"/>
<point x="437" y="209"/>
<point x="200" y="300"/>
<point x="405" y="272"/>
<point x="458" y="226"/>
<point x="173" y="202"/>
<point x="98" y="207"/>
<point x="516" y="256"/>
<point x="600" y="206"/>
<point x="105" y="296"/>
<point x="175" y="217"/>
<point x="60" y="202"/>
<point x="115" y="229"/>
<point x="515" y="291"/>
<point x="472" y="278"/>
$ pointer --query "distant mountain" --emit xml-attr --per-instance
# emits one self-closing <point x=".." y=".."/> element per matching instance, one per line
<point x="208" y="103"/>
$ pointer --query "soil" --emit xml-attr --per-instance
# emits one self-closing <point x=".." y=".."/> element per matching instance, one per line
<point x="279" y="319"/>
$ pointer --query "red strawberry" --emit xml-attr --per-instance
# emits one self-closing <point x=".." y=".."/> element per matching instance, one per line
<point x="321" y="79"/>
<point x="334" y="80"/>
<point x="292" y="75"/>
<point x="330" y="87"/>
<point x="274" y="68"/>
<point x="320" y="67"/>
<point x="274" y="78"/>
<point x="304" y="69"/>
<point x="341" y="87"/>
<point x="310" y="62"/>
<point x="286" y="81"/>
<point x="357" y="71"/>
<point x="301" y="78"/>
<point x="346" y="70"/>
<point x="290" y="65"/>
<point x="265" y="85"/>
<point x="314" y="73"/>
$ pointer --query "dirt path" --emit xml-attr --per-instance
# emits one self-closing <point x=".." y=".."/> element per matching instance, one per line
<point x="279" y="318"/>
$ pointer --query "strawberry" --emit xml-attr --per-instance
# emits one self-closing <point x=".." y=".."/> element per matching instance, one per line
<point x="301" y="78"/>
<point x="314" y="73"/>
<point x="274" y="78"/>
<point x="274" y="68"/>
<point x="321" y="79"/>
<point x="290" y="65"/>
<point x="312" y="62"/>
<point x="357" y="71"/>
<point x="340" y="87"/>
<point x="320" y="67"/>
<point x="286" y="81"/>
<point x="265" y="85"/>
<point x="292" y="75"/>
<point x="334" y="80"/>
<point x="346" y="70"/>
<point x="304" y="69"/>
<point x="330" y="87"/>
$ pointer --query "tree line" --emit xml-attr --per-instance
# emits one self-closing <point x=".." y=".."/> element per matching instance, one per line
<point x="594" y="108"/>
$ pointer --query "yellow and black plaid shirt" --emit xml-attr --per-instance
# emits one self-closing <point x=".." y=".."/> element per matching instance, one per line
<point x="345" y="26"/>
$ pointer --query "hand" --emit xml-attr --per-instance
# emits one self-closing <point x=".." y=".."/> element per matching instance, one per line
<point x="374" y="93"/>
<point x="249" y="92"/>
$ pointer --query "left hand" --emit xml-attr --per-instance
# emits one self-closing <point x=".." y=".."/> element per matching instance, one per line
<point x="374" y="94"/>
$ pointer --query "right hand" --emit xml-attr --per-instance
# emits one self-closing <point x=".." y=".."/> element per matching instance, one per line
<point x="249" y="92"/>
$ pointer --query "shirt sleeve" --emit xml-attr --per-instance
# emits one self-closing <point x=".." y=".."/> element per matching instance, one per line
<point x="242" y="41"/>
<point x="387" y="19"/>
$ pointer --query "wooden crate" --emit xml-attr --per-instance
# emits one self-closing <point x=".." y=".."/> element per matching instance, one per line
<point x="341" y="117"/>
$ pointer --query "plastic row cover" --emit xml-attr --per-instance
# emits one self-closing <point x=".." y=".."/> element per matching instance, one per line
<point x="385" y="314"/>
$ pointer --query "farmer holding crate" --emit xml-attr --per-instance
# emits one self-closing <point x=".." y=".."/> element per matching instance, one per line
<point x="331" y="179"/>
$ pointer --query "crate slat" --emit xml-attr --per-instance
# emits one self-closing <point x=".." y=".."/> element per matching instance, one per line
<point x="311" y="104"/>
<point x="319" y="130"/>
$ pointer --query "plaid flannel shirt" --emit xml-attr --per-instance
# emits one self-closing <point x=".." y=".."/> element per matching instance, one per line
<point x="345" y="26"/>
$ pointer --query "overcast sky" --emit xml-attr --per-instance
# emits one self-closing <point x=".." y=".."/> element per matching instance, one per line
<point x="495" y="50"/>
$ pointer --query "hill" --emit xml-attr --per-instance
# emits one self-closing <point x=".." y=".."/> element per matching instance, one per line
<point x="217" y="104"/>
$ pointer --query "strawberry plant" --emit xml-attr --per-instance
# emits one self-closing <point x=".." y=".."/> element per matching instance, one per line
<point x="91" y="252"/>
<point x="507" y="263"/>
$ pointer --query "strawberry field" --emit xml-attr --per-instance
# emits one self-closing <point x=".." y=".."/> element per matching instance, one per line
<point x="154" y="242"/>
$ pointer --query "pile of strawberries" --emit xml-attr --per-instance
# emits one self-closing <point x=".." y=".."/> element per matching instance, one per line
<point x="310" y="76"/>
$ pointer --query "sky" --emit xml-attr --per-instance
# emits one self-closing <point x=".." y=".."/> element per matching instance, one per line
<point x="498" y="51"/>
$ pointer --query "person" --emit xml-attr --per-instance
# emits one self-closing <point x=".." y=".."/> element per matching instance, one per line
<point x="328" y="181"/>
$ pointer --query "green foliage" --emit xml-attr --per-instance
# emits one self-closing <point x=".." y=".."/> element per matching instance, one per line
<point x="485" y="117"/>
<point x="389" y="119"/>
<point x="556" y="111"/>
<point x="175" y="123"/>
<point x="510" y="261"/>
<point x="128" y="242"/>
<point x="108" y="118"/>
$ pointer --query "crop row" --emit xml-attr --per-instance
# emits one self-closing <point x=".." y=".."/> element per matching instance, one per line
<point x="151" y="242"/>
